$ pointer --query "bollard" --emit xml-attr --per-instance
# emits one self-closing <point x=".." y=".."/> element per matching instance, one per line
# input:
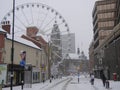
<point x="107" y="84"/>
<point x="50" y="80"/>
<point x="22" y="85"/>
<point x="78" y="80"/>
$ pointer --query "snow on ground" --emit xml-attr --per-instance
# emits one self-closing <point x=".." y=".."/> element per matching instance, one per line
<point x="114" y="85"/>
<point x="84" y="84"/>
<point x="71" y="83"/>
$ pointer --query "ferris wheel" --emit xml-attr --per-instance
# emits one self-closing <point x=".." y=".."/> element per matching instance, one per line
<point x="49" y="23"/>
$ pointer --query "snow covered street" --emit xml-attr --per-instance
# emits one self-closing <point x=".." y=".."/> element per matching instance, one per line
<point x="70" y="83"/>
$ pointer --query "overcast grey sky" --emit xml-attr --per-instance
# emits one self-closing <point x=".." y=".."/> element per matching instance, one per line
<point x="77" y="13"/>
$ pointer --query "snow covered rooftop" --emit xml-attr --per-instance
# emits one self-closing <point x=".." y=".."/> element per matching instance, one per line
<point x="24" y="41"/>
<point x="80" y="56"/>
<point x="73" y="56"/>
<point x="1" y="30"/>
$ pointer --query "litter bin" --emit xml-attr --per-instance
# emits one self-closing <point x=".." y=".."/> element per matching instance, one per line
<point x="114" y="76"/>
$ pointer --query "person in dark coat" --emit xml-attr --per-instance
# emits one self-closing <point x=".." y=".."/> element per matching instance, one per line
<point x="103" y="78"/>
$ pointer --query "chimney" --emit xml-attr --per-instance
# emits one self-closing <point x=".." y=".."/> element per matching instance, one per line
<point x="32" y="31"/>
<point x="6" y="26"/>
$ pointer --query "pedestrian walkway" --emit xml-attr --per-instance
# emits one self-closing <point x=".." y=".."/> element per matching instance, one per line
<point x="70" y="84"/>
<point x="39" y="86"/>
<point x="84" y="84"/>
<point x="114" y="85"/>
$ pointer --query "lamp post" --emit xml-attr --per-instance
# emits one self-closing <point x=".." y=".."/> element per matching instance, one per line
<point x="12" y="48"/>
<point x="49" y="62"/>
<point x="78" y="69"/>
<point x="116" y="55"/>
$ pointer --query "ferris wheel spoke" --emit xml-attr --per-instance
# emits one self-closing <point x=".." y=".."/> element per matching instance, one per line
<point x="45" y="32"/>
<point x="56" y="54"/>
<point x="20" y="29"/>
<point x="31" y="15"/>
<point x="25" y="17"/>
<point x="20" y="21"/>
<point x="38" y="16"/>
<point x="56" y="39"/>
<point x="49" y="29"/>
<point x="59" y="47"/>
<point x="56" y="46"/>
<point x="43" y="20"/>
<point x="61" y="33"/>
<point x="49" y="23"/>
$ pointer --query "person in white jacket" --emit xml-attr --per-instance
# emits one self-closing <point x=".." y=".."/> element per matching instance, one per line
<point x="92" y="79"/>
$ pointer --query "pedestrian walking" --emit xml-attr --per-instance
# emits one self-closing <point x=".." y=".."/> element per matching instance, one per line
<point x="103" y="78"/>
<point x="107" y="75"/>
<point x="78" y="77"/>
<point x="92" y="79"/>
<point x="50" y="79"/>
<point x="43" y="81"/>
<point x="78" y="80"/>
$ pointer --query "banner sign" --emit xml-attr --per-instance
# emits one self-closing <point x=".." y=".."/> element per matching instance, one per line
<point x="3" y="73"/>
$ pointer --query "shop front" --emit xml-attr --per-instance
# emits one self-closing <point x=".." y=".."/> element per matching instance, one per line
<point x="18" y="72"/>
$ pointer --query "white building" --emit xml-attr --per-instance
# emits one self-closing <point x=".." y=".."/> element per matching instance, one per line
<point x="68" y="43"/>
<point x="76" y="63"/>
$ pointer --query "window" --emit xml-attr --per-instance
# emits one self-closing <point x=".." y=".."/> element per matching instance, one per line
<point x="106" y="7"/>
<point x="106" y="15"/>
<point x="106" y="24"/>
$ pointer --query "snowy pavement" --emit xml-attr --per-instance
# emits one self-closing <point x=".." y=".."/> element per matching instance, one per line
<point x="70" y="83"/>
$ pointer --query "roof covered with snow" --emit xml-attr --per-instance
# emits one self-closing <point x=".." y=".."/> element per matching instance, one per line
<point x="23" y="41"/>
<point x="2" y="30"/>
<point x="80" y="56"/>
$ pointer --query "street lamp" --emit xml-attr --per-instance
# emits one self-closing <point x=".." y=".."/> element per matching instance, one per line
<point x="12" y="48"/>
<point x="78" y="69"/>
<point x="49" y="59"/>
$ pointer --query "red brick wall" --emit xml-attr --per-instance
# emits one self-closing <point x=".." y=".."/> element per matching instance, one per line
<point x="2" y="43"/>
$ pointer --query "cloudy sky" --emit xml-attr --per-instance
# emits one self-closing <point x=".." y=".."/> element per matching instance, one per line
<point x="77" y="13"/>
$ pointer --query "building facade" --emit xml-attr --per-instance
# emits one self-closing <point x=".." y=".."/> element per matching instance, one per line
<point x="106" y="54"/>
<point x="68" y="43"/>
<point x="91" y="56"/>
<point x="104" y="20"/>
<point x="75" y="64"/>
<point x="35" y="57"/>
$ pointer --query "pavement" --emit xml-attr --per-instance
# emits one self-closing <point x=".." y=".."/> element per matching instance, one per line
<point x="66" y="83"/>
